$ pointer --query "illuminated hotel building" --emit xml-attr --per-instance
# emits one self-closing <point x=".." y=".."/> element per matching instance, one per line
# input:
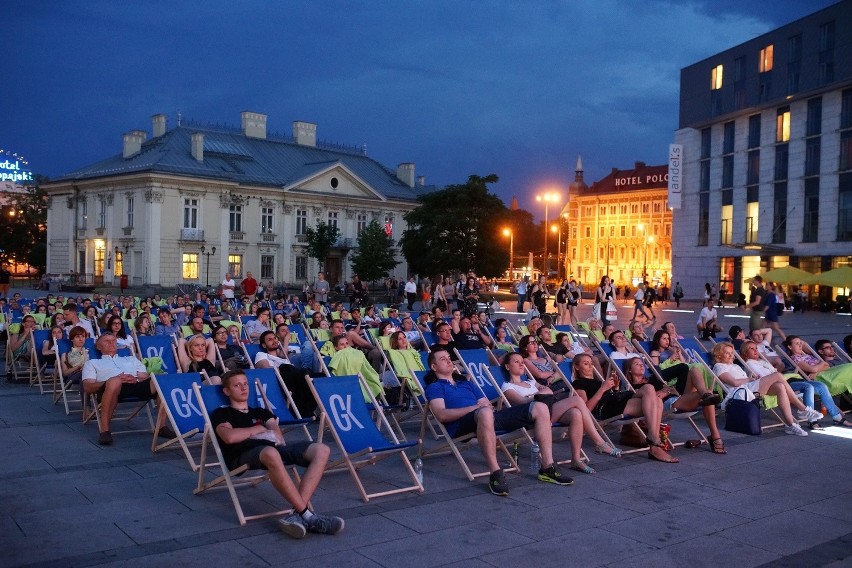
<point x="766" y="130"/>
<point x="620" y="226"/>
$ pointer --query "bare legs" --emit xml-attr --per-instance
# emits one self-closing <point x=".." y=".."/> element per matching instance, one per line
<point x="298" y="497"/>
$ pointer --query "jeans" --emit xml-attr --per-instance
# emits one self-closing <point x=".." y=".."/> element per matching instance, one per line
<point x="808" y="388"/>
<point x="522" y="298"/>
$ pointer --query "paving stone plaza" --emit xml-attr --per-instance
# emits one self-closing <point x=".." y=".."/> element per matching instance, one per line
<point x="773" y="500"/>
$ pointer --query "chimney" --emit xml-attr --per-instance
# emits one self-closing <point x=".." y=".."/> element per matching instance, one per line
<point x="305" y="133"/>
<point x="159" y="125"/>
<point x="614" y="171"/>
<point x="254" y="124"/>
<point x="198" y="146"/>
<point x="133" y="142"/>
<point x="421" y="181"/>
<point x="405" y="173"/>
<point x="638" y="165"/>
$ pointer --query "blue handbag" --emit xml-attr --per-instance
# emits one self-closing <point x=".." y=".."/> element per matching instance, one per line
<point x="742" y="416"/>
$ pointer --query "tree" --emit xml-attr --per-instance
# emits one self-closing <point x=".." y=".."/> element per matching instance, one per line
<point x="458" y="229"/>
<point x="23" y="224"/>
<point x="320" y="241"/>
<point x="376" y="254"/>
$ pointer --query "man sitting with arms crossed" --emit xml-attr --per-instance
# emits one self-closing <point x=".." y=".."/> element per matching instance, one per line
<point x="251" y="436"/>
<point x="114" y="376"/>
<point x="272" y="355"/>
<point x="763" y="339"/>
<point x="258" y="325"/>
<point x="462" y="409"/>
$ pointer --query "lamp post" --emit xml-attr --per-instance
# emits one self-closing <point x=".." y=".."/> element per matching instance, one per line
<point x="557" y="228"/>
<point x="648" y="239"/>
<point x="547" y="198"/>
<point x="207" y="261"/>
<point x="509" y="233"/>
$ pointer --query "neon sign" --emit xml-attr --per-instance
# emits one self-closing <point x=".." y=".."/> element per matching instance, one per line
<point x="14" y="168"/>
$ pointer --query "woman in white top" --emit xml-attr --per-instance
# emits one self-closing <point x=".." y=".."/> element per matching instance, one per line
<point x="735" y="376"/>
<point x="571" y="411"/>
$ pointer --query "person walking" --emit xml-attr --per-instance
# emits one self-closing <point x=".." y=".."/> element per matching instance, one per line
<point x="678" y="293"/>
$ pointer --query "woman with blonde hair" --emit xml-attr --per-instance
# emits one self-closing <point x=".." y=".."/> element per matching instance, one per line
<point x="198" y="354"/>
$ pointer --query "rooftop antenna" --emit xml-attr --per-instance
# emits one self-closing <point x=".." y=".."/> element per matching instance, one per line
<point x="180" y="117"/>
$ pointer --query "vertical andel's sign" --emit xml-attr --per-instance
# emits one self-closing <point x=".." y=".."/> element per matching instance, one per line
<point x="675" y="175"/>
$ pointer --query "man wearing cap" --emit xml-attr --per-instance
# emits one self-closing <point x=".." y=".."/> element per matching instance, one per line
<point x="737" y="336"/>
<point x="755" y="306"/>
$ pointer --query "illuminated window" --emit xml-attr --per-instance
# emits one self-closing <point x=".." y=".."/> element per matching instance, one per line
<point x="119" y="262"/>
<point x="190" y="266"/>
<point x="765" y="63"/>
<point x="716" y="78"/>
<point x="100" y="254"/>
<point x="235" y="265"/>
<point x="727" y="224"/>
<point x="782" y="125"/>
<point x="752" y="212"/>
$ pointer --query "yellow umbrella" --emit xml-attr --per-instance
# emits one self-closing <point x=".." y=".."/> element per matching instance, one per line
<point x="788" y="275"/>
<point x="838" y="278"/>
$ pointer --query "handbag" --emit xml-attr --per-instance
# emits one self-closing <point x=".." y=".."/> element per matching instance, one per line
<point x="611" y="312"/>
<point x="742" y="416"/>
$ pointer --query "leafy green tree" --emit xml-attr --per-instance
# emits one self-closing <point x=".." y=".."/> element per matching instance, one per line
<point x="23" y="224"/>
<point x="458" y="229"/>
<point x="320" y="241"/>
<point x="376" y="254"/>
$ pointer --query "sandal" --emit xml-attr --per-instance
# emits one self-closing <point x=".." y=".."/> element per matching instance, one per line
<point x="710" y="399"/>
<point x="717" y="446"/>
<point x="581" y="467"/>
<point x="816" y="426"/>
<point x="842" y="422"/>
<point x="608" y="450"/>
<point x="651" y="455"/>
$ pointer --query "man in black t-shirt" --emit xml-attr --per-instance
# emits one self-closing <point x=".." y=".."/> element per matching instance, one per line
<point x="251" y="436"/>
<point x="755" y="306"/>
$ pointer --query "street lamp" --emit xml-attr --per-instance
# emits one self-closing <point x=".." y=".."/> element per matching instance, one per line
<point x="547" y="198"/>
<point x="207" y="261"/>
<point x="557" y="228"/>
<point x="648" y="239"/>
<point x="509" y="233"/>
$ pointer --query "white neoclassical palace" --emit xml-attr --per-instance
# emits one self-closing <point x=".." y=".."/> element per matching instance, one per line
<point x="156" y="211"/>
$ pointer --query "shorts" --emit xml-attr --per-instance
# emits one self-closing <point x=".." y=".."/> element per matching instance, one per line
<point x="506" y="420"/>
<point x="754" y="320"/>
<point x="291" y="454"/>
<point x="140" y="390"/>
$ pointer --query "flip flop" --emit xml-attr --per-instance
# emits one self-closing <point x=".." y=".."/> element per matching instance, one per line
<point x="582" y="467"/>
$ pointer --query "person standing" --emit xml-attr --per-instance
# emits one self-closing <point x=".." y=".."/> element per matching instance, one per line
<point x="410" y="292"/>
<point x="321" y="289"/>
<point x="756" y="307"/>
<point x="678" y="293"/>
<point x="5" y="280"/>
<point x="249" y="286"/>
<point x="228" y="286"/>
<point x="521" y="288"/>
<point x="603" y="296"/>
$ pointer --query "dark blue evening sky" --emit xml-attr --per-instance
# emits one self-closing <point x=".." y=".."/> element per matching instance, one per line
<point x="513" y="88"/>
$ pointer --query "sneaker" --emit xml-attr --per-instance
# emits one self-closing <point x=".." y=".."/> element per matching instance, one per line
<point x="809" y="414"/>
<point x="553" y="475"/>
<point x="293" y="526"/>
<point x="325" y="524"/>
<point x="794" y="430"/>
<point x="105" y="438"/>
<point x="497" y="484"/>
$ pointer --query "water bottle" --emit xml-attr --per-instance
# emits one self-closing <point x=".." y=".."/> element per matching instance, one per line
<point x="516" y="451"/>
<point x="535" y="458"/>
<point x="418" y="469"/>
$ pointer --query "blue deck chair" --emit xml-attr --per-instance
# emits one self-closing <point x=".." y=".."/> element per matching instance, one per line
<point x="360" y="440"/>
<point x="271" y="392"/>
<point x="180" y="407"/>
<point x="209" y="398"/>
<point x="251" y="349"/>
<point x="159" y="346"/>
<point x="38" y="359"/>
<point x="138" y="404"/>
<point x="429" y="339"/>
<point x="477" y="361"/>
<point x="460" y="443"/>
<point x="61" y="385"/>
